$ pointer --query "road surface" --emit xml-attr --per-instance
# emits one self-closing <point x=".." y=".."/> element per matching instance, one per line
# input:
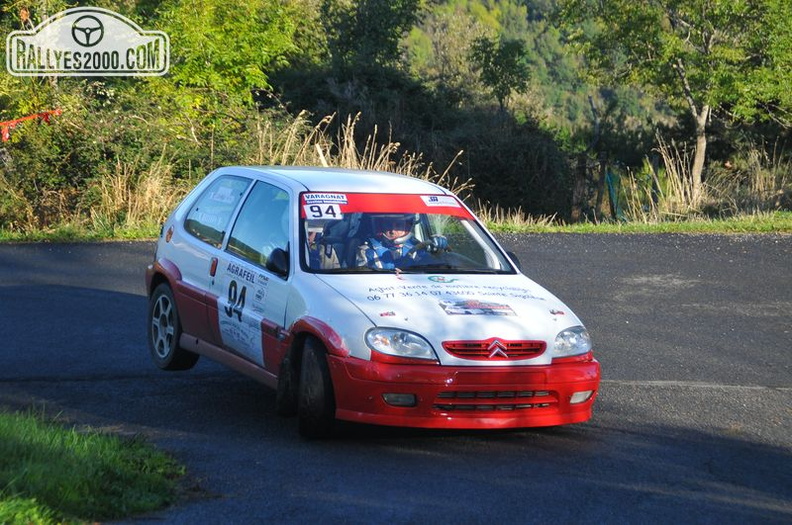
<point x="693" y="423"/>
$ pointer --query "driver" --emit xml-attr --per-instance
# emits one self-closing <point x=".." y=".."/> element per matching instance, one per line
<point x="393" y="240"/>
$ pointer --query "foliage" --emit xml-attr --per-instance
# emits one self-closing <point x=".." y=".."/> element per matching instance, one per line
<point x="254" y="83"/>
<point x="663" y="45"/>
<point x="765" y="92"/>
<point x="503" y="67"/>
<point x="556" y="95"/>
<point x="438" y="51"/>
<point x="187" y="123"/>
<point x="704" y="56"/>
<point x="366" y="33"/>
<point x="225" y="51"/>
<point x="515" y="164"/>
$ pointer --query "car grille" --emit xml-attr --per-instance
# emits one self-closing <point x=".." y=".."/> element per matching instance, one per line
<point x="495" y="349"/>
<point x="494" y="400"/>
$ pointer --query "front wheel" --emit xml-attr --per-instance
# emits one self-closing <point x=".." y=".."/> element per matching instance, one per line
<point x="286" y="400"/>
<point x="316" y="403"/>
<point x="165" y="331"/>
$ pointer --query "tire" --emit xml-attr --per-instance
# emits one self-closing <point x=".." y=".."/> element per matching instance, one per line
<point x="316" y="403"/>
<point x="165" y="330"/>
<point x="286" y="395"/>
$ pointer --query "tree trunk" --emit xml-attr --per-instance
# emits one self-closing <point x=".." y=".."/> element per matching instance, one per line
<point x="602" y="206"/>
<point x="701" y="118"/>
<point x="700" y="156"/>
<point x="579" y="189"/>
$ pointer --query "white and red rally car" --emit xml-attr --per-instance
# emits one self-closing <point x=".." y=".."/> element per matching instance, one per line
<point x="294" y="276"/>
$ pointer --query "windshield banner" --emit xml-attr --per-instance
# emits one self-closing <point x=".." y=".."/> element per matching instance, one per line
<point x="334" y="205"/>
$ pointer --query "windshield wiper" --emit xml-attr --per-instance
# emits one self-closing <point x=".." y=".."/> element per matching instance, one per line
<point x="413" y="269"/>
<point x="358" y="269"/>
<point x="447" y="268"/>
<point x="433" y="266"/>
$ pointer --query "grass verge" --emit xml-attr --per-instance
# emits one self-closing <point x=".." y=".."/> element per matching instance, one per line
<point x="768" y="222"/>
<point x="50" y="474"/>
<point x="765" y="222"/>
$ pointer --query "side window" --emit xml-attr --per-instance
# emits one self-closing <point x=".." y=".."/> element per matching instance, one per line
<point x="262" y="224"/>
<point x="209" y="216"/>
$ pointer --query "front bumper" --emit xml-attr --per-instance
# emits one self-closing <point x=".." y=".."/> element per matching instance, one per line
<point x="463" y="397"/>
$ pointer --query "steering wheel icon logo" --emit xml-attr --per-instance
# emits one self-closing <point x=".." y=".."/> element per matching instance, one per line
<point x="87" y="31"/>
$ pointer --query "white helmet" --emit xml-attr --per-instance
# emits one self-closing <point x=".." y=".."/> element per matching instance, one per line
<point x="393" y="228"/>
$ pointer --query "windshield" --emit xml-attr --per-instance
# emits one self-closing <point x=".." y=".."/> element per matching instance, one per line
<point x="355" y="232"/>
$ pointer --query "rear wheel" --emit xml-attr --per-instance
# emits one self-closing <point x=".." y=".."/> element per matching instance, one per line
<point x="165" y="331"/>
<point x="316" y="403"/>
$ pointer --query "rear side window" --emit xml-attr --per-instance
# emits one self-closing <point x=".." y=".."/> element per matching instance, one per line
<point x="209" y="216"/>
<point x="262" y="224"/>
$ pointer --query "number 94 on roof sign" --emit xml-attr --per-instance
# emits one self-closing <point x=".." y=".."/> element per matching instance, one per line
<point x="87" y="41"/>
<point x="323" y="211"/>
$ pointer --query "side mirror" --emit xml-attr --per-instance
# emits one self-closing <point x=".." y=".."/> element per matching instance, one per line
<point x="278" y="262"/>
<point x="515" y="259"/>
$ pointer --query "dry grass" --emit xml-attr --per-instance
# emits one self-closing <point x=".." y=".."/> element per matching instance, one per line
<point x="754" y="182"/>
<point x="134" y="199"/>
<point x="300" y="144"/>
<point x="50" y="207"/>
<point x="296" y="144"/>
<point x="498" y="218"/>
<point x="656" y="195"/>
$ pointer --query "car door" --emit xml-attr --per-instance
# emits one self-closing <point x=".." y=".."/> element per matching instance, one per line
<point x="251" y="300"/>
<point x="205" y="225"/>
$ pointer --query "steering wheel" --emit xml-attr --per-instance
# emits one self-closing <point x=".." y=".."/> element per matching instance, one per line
<point x="420" y="246"/>
<point x="429" y="246"/>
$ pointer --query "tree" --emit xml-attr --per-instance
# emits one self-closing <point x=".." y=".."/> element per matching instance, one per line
<point x="227" y="50"/>
<point x="438" y="50"/>
<point x="503" y="66"/>
<point x="766" y="92"/>
<point x="704" y="56"/>
<point x="366" y="33"/>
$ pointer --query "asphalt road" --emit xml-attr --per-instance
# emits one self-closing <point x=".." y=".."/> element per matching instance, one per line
<point x="693" y="423"/>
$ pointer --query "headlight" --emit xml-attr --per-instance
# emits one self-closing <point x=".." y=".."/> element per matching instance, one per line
<point x="572" y="341"/>
<point x="399" y="343"/>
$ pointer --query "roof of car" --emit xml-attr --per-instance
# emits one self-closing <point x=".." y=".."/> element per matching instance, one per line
<point x="339" y="179"/>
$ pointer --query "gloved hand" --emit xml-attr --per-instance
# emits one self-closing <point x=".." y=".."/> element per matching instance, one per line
<point x="438" y="244"/>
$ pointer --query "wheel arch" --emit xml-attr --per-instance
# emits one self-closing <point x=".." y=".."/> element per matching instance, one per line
<point x="302" y="329"/>
<point x="312" y="326"/>
<point x="162" y="271"/>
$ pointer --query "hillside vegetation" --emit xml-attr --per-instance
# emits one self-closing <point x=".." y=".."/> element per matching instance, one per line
<point x="571" y="109"/>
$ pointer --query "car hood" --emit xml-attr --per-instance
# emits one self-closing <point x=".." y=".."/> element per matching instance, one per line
<point x="457" y="307"/>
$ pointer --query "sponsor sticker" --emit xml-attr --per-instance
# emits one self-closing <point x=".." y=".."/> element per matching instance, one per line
<point x="324" y="198"/>
<point x="440" y="200"/>
<point x="442" y="279"/>
<point x="224" y="195"/>
<point x="475" y="307"/>
<point x="322" y="211"/>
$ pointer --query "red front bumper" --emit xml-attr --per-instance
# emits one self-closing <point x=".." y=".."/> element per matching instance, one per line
<point x="463" y="397"/>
